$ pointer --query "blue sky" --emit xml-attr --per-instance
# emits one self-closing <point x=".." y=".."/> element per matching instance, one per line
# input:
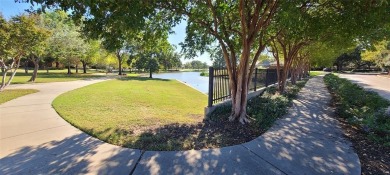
<point x="9" y="8"/>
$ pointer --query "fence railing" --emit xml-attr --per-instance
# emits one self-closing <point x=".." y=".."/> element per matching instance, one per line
<point x="219" y="83"/>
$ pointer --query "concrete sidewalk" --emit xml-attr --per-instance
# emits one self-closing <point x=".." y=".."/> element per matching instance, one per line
<point x="35" y="140"/>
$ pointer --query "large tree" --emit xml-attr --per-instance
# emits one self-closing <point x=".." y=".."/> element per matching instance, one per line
<point x="18" y="37"/>
<point x="92" y="53"/>
<point x="169" y="58"/>
<point x="37" y="52"/>
<point x="154" y="47"/>
<point x="380" y="54"/>
<point x="238" y="28"/>
<point x="299" y="23"/>
<point x="66" y="43"/>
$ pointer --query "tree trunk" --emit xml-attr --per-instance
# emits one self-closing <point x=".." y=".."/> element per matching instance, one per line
<point x="119" y="57"/>
<point x="26" y="67"/>
<point x="239" y="102"/>
<point x="120" y="68"/>
<point x="300" y="75"/>
<point x="3" y="79"/>
<point x="294" y="76"/>
<point x="275" y="53"/>
<point x="35" y="72"/>
<point x="283" y="81"/>
<point x="16" y="61"/>
<point x="150" y="73"/>
<point x="77" y="68"/>
<point x="240" y="99"/>
<point x="69" y="72"/>
<point x="339" y="67"/>
<point x="84" y="67"/>
<point x="57" y="65"/>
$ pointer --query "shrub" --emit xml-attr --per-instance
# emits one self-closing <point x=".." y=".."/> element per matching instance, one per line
<point x="365" y="109"/>
<point x="265" y="109"/>
<point x="204" y="74"/>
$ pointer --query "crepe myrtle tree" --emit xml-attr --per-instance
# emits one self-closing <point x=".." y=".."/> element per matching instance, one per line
<point x="18" y="37"/>
<point x="238" y="28"/>
<point x="298" y="24"/>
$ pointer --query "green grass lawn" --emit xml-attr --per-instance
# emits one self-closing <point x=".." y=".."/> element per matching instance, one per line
<point x="119" y="111"/>
<point x="315" y="73"/>
<point x="57" y="76"/>
<point x="10" y="94"/>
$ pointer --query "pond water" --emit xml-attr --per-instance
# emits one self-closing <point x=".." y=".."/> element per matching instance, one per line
<point x="190" y="78"/>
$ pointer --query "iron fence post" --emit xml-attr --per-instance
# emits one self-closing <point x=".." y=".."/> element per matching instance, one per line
<point x="211" y="86"/>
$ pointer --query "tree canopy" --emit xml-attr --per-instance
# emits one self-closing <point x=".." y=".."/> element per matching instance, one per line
<point x="21" y="35"/>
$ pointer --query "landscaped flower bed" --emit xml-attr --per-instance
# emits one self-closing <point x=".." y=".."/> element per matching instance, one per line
<point x="361" y="108"/>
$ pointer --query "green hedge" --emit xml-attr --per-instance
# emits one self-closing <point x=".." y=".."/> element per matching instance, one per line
<point x="365" y="109"/>
<point x="204" y="74"/>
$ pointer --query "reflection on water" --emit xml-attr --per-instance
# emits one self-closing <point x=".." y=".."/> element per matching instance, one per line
<point x="191" y="78"/>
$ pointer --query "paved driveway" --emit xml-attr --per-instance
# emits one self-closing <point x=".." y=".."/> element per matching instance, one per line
<point x="372" y="82"/>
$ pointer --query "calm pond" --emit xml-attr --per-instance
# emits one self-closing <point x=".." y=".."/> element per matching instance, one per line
<point x="190" y="78"/>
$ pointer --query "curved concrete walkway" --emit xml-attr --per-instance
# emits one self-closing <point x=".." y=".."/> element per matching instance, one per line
<point x="35" y="140"/>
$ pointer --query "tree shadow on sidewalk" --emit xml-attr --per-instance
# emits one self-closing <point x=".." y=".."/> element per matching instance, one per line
<point x="78" y="154"/>
<point x="308" y="140"/>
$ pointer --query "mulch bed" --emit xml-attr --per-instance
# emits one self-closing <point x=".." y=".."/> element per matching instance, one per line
<point x="374" y="157"/>
<point x="203" y="135"/>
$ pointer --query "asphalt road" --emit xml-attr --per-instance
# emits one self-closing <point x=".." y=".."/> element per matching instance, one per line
<point x="372" y="82"/>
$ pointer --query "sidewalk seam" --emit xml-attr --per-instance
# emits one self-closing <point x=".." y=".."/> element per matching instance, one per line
<point x="264" y="159"/>
<point x="136" y="163"/>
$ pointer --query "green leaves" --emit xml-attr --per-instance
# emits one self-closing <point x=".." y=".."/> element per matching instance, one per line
<point x="362" y="108"/>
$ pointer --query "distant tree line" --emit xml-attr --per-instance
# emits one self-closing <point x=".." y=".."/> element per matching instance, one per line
<point x="53" y="40"/>
<point x="195" y="64"/>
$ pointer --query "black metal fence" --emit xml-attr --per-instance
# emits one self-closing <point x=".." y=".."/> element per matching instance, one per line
<point x="219" y="83"/>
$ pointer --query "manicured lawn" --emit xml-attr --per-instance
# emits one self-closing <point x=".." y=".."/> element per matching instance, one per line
<point x="155" y="114"/>
<point x="10" y="94"/>
<point x="120" y="111"/>
<point x="57" y="76"/>
<point x="315" y="73"/>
